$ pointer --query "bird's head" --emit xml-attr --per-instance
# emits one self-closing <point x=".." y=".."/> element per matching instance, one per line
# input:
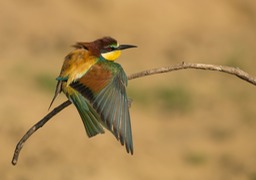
<point x="105" y="47"/>
<point x="111" y="50"/>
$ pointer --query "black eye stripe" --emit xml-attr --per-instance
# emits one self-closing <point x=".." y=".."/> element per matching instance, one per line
<point x="107" y="49"/>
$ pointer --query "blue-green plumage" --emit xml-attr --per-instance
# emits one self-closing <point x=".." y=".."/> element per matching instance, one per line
<point x="88" y="115"/>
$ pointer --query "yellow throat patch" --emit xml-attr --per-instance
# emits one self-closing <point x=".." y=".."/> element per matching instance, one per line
<point x="111" y="56"/>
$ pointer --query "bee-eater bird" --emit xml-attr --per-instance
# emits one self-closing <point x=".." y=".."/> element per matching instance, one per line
<point x="96" y="85"/>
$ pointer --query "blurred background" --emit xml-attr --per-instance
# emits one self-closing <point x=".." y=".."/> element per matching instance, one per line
<point x="188" y="124"/>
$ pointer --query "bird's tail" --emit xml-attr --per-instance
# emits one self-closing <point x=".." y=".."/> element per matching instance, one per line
<point x="57" y="92"/>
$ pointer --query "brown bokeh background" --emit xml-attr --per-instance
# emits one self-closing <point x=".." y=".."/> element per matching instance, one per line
<point x="188" y="124"/>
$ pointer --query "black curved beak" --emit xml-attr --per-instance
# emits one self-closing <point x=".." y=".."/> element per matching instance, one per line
<point x="125" y="46"/>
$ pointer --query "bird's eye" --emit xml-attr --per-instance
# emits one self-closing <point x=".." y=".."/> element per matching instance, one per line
<point x="109" y="48"/>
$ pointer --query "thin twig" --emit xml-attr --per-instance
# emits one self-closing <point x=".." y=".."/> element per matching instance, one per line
<point x="226" y="69"/>
<point x="35" y="128"/>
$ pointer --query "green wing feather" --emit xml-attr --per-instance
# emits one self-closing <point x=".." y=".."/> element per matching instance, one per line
<point x="87" y="114"/>
<point x="105" y="87"/>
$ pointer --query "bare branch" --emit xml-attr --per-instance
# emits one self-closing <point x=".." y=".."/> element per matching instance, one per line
<point x="34" y="128"/>
<point x="226" y="69"/>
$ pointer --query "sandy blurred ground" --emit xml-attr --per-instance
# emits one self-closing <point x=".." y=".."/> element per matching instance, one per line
<point x="188" y="124"/>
